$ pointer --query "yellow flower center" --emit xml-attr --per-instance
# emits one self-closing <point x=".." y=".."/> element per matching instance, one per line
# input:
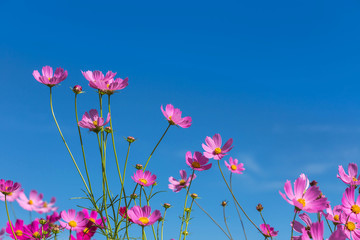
<point x="86" y="230"/>
<point x="95" y="123"/>
<point x="45" y="204"/>
<point x="233" y="167"/>
<point x="72" y="224"/>
<point x="302" y="201"/>
<point x="182" y="182"/>
<point x="355" y="209"/>
<point x="49" y="79"/>
<point x="107" y="85"/>
<point x="144" y="220"/>
<point x="144" y="181"/>
<point x="350" y="226"/>
<point x="336" y="217"/>
<point x="354" y="179"/>
<point x="92" y="220"/>
<point x="18" y="233"/>
<point x="217" y="150"/>
<point x="30" y="202"/>
<point x="195" y="165"/>
<point x="36" y="235"/>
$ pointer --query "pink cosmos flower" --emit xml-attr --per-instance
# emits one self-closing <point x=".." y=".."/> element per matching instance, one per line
<point x="123" y="213"/>
<point x="73" y="221"/>
<point x="298" y="227"/>
<point x="92" y="217"/>
<point x="350" y="227"/>
<point x="334" y="215"/>
<point x="173" y="115"/>
<point x="234" y="166"/>
<point x="268" y="231"/>
<point x="11" y="196"/>
<point x="98" y="76"/>
<point x="92" y="121"/>
<point x="349" y="205"/>
<point x="53" y="218"/>
<point x="32" y="203"/>
<point x="46" y="207"/>
<point x="184" y="182"/>
<point x="80" y="236"/>
<point x="143" y="216"/>
<point x="48" y="78"/>
<point x="110" y="86"/>
<point x="19" y="230"/>
<point x="198" y="162"/>
<point x="144" y="178"/>
<point x="316" y="231"/>
<point x="350" y="178"/>
<point x="7" y="187"/>
<point x="213" y="147"/>
<point x="36" y="231"/>
<point x="304" y="199"/>
<point x="339" y="234"/>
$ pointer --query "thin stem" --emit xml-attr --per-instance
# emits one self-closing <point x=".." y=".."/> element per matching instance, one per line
<point x="58" y="127"/>
<point x="236" y="199"/>
<point x="227" y="227"/>
<point x="237" y="209"/>
<point x="185" y="203"/>
<point x="292" y="227"/>
<point x="265" y="224"/>
<point x="156" y="146"/>
<point x="13" y="211"/>
<point x="188" y="219"/>
<point x="7" y="212"/>
<point x="212" y="219"/>
<point x="162" y="225"/>
<point x="328" y="225"/>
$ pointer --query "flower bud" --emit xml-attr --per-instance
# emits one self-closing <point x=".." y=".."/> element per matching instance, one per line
<point x="155" y="183"/>
<point x="185" y="233"/>
<point x="130" y="139"/>
<point x="161" y="219"/>
<point x="77" y="89"/>
<point x="187" y="210"/>
<point x="133" y="196"/>
<point x="167" y="205"/>
<point x="56" y="230"/>
<point x="313" y="183"/>
<point x="194" y="196"/>
<point x="259" y="207"/>
<point x="224" y="203"/>
<point x="139" y="166"/>
<point x="42" y="221"/>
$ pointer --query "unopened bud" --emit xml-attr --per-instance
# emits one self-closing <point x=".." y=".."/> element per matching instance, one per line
<point x="187" y="210"/>
<point x="194" y="196"/>
<point x="224" y="203"/>
<point x="185" y="233"/>
<point x="161" y="219"/>
<point x="167" y="205"/>
<point x="313" y="183"/>
<point x="130" y="139"/>
<point x="42" y="221"/>
<point x="139" y="166"/>
<point x="155" y="183"/>
<point x="56" y="230"/>
<point x="133" y="196"/>
<point x="259" y="207"/>
<point x="108" y="130"/>
<point x="45" y="232"/>
<point x="77" y="89"/>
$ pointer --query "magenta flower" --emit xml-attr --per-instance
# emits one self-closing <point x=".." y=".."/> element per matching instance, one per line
<point x="48" y="78"/>
<point x="349" y="205"/>
<point x="123" y="213"/>
<point x="298" y="227"/>
<point x="184" y="182"/>
<point x="92" y="121"/>
<point x="350" y="227"/>
<point x="234" y="166"/>
<point x="7" y="187"/>
<point x="304" y="199"/>
<point x="11" y="196"/>
<point x="334" y="215"/>
<point x="144" y="178"/>
<point x="36" y="231"/>
<point x="173" y="115"/>
<point x="19" y="230"/>
<point x="46" y="207"/>
<point x="213" y="147"/>
<point x="143" y="216"/>
<point x="53" y="218"/>
<point x="73" y="221"/>
<point x="351" y="178"/>
<point x="268" y="231"/>
<point x="32" y="203"/>
<point x="2" y="233"/>
<point x="110" y="86"/>
<point x="198" y="162"/>
<point x="92" y="217"/>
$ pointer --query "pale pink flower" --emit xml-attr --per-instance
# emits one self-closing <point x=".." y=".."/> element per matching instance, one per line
<point x="144" y="178"/>
<point x="46" y="207"/>
<point x="268" y="231"/>
<point x="7" y="187"/>
<point x="234" y="166"/>
<point x="304" y="199"/>
<point x="93" y="121"/>
<point x="298" y="227"/>
<point x="352" y="177"/>
<point x="184" y="182"/>
<point x="110" y="86"/>
<point x="334" y="215"/>
<point x="32" y="203"/>
<point x="98" y="76"/>
<point x="173" y="115"/>
<point x="11" y="196"/>
<point x="143" y="216"/>
<point x="198" y="162"/>
<point x="213" y="147"/>
<point x="73" y="221"/>
<point x="48" y="78"/>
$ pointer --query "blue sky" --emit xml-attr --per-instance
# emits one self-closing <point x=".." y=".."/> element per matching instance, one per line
<point x="280" y="77"/>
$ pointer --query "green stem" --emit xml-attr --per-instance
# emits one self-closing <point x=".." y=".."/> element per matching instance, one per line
<point x="328" y="225"/>
<point x="212" y="219"/>
<point x="58" y="127"/>
<point x="162" y="225"/>
<point x="188" y="219"/>
<point x="156" y="146"/>
<point x="237" y="209"/>
<point x="185" y="203"/>
<point x="236" y="199"/>
<point x="292" y="227"/>
<point x="226" y="225"/>
<point x="7" y="212"/>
